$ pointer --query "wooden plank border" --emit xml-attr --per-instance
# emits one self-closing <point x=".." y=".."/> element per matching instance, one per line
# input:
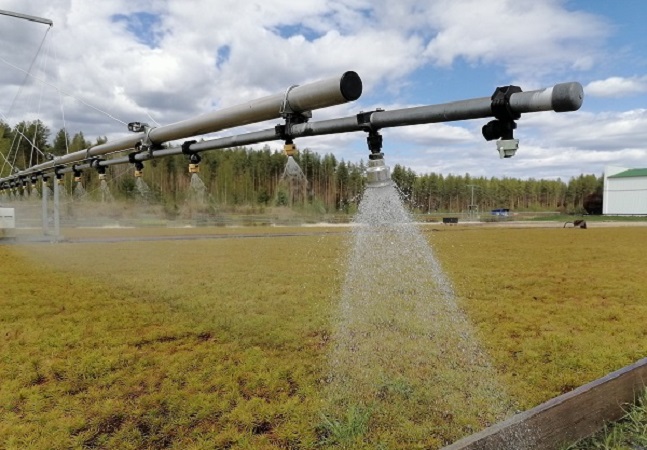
<point x="565" y="419"/>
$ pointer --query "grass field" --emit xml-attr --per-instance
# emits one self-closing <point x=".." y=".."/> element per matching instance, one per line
<point x="224" y="343"/>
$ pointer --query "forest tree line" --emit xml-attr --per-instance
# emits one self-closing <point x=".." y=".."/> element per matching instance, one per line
<point x="247" y="177"/>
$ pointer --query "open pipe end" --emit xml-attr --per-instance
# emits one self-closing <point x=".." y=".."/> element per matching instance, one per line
<point x="350" y="86"/>
<point x="567" y="97"/>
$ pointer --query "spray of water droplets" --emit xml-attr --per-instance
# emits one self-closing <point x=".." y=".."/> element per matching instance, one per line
<point x="142" y="189"/>
<point x="294" y="181"/>
<point x="79" y="191"/>
<point x="197" y="190"/>
<point x="106" y="195"/>
<point x="47" y="192"/>
<point x="402" y="348"/>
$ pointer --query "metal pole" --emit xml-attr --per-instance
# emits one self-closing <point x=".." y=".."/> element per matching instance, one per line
<point x="472" y="205"/>
<point x="44" y="198"/>
<point x="57" y="210"/>
<point x="27" y="17"/>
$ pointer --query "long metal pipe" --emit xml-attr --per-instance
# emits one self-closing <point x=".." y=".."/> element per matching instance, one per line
<point x="562" y="97"/>
<point x="297" y="99"/>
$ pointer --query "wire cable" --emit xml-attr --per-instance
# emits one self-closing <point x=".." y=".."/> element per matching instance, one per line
<point x="62" y="91"/>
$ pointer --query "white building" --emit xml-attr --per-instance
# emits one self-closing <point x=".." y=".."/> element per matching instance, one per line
<point x="625" y="191"/>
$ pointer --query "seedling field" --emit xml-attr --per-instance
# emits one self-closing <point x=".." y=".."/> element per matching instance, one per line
<point x="224" y="343"/>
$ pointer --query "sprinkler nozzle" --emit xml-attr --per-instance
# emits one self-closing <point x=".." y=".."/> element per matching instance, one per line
<point x="378" y="173"/>
<point x="290" y="149"/>
<point x="194" y="168"/>
<point x="102" y="176"/>
<point x="139" y="169"/>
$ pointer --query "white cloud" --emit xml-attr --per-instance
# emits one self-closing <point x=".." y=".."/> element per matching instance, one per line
<point x="617" y="86"/>
<point x="217" y="53"/>
<point x="590" y="131"/>
<point x="525" y="36"/>
<point x="434" y="133"/>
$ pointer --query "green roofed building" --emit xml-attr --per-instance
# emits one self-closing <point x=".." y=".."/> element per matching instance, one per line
<point x="625" y="191"/>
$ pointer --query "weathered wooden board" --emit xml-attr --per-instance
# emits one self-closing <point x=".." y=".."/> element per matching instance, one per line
<point x="564" y="419"/>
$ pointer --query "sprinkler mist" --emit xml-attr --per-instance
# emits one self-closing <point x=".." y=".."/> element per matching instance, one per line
<point x="404" y="356"/>
<point x="104" y="188"/>
<point x="293" y="178"/>
<point x="198" y="190"/>
<point x="143" y="191"/>
<point x="79" y="190"/>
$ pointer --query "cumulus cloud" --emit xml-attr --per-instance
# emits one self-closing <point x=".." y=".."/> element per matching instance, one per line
<point x="603" y="131"/>
<point x="135" y="59"/>
<point x="617" y="86"/>
<point x="525" y="36"/>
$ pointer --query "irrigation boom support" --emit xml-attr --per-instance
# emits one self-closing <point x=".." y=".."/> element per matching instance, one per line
<point x="506" y="105"/>
<point x="561" y="98"/>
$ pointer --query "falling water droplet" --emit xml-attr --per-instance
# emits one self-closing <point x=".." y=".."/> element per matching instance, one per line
<point x="79" y="191"/>
<point x="143" y="191"/>
<point x="198" y="190"/>
<point x="294" y="181"/>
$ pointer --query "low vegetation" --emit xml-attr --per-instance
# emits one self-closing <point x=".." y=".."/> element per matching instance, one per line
<point x="224" y="343"/>
<point x="628" y="433"/>
<point x="554" y="307"/>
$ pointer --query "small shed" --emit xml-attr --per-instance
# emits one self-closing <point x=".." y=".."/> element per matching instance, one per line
<point x="625" y="191"/>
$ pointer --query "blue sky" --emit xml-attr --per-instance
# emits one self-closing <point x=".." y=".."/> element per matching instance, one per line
<point x="166" y="61"/>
